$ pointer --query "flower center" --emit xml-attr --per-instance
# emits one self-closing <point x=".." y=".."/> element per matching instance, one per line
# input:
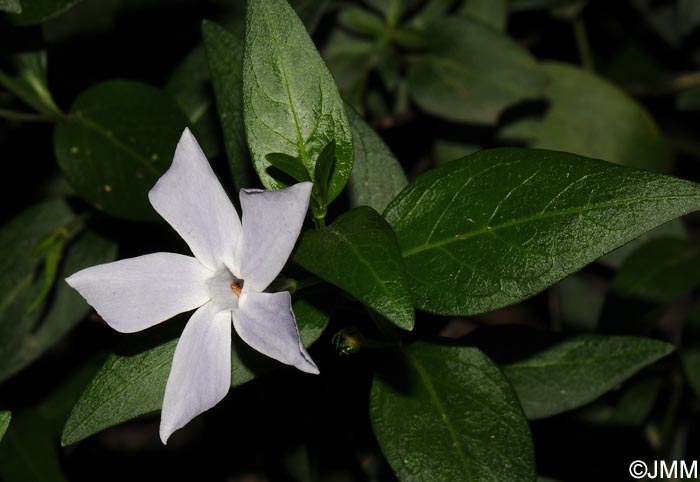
<point x="220" y="286"/>
<point x="236" y="288"/>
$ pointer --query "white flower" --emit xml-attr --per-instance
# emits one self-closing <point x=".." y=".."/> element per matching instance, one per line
<point x="234" y="262"/>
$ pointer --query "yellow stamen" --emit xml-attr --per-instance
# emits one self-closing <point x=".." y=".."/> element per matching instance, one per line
<point x="236" y="288"/>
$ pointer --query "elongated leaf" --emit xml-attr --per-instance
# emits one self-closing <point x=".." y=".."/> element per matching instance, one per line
<point x="501" y="225"/>
<point x="579" y="370"/>
<point x="660" y="270"/>
<point x="589" y="116"/>
<point x="471" y="72"/>
<point x="37" y="11"/>
<point x="377" y="177"/>
<point x="359" y="254"/>
<point x="29" y="81"/>
<point x="291" y="104"/>
<point x="289" y="165"/>
<point x="5" y="417"/>
<point x="118" y="140"/>
<point x="450" y="415"/>
<point x="10" y="6"/>
<point x="128" y="386"/>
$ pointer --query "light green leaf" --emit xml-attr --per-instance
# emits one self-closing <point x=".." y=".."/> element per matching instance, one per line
<point x="29" y="82"/>
<point x="130" y="385"/>
<point x="493" y="13"/>
<point x="661" y="270"/>
<point x="591" y="117"/>
<point x="5" y="417"/>
<point x="471" y="72"/>
<point x="501" y="225"/>
<point x="446" y="414"/>
<point x="579" y="370"/>
<point x="118" y="140"/>
<point x="291" y="104"/>
<point x="10" y="6"/>
<point x="37" y="11"/>
<point x="359" y="254"/>
<point x="377" y="177"/>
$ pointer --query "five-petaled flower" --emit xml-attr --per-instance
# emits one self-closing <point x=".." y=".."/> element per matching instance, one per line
<point x="234" y="262"/>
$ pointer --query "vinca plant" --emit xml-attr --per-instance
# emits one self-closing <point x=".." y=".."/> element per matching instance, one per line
<point x="308" y="240"/>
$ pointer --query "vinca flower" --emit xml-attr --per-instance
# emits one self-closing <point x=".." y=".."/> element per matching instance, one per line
<point x="234" y="263"/>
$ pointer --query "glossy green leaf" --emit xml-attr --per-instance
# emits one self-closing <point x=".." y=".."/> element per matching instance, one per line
<point x="493" y="13"/>
<point x="359" y="254"/>
<point x="377" y="177"/>
<point x="118" y="140"/>
<point x="5" y="417"/>
<point x="289" y="165"/>
<point x="225" y="54"/>
<point x="471" y="72"/>
<point x="291" y="104"/>
<point x="447" y="413"/>
<point x="37" y="11"/>
<point x="28" y="81"/>
<point x="579" y="370"/>
<point x="501" y="225"/>
<point x="589" y="116"/>
<point x="661" y="270"/>
<point x="130" y="385"/>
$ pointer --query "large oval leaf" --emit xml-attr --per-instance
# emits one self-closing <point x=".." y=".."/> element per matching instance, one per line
<point x="359" y="254"/>
<point x="501" y="225"/>
<point x="447" y="414"/>
<point x="128" y="386"/>
<point x="290" y="101"/>
<point x="579" y="370"/>
<point x="118" y="140"/>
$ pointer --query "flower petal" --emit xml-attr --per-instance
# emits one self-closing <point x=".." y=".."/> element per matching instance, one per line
<point x="272" y="222"/>
<point x="134" y="294"/>
<point x="191" y="199"/>
<point x="200" y="375"/>
<point x="266" y="322"/>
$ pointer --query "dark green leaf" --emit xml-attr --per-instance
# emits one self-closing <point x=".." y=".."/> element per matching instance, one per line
<point x="579" y="370"/>
<point x="501" y="225"/>
<point x="128" y="386"/>
<point x="291" y="104"/>
<point x="660" y="270"/>
<point x="5" y="417"/>
<point x="377" y="177"/>
<point x="591" y="117"/>
<point x="322" y="173"/>
<point x="28" y="82"/>
<point x="493" y="13"/>
<point x="289" y="165"/>
<point x="471" y="72"/>
<point x="118" y="140"/>
<point x="10" y="6"/>
<point x="225" y="55"/>
<point x="448" y="414"/>
<point x="359" y="254"/>
<point x="37" y="11"/>
<point x="310" y="11"/>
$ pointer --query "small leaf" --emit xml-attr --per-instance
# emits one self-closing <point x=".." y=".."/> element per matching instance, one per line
<point x="51" y="249"/>
<point x="128" y="386"/>
<point x="118" y="140"/>
<point x="10" y="6"/>
<point x="471" y="73"/>
<point x="660" y="270"/>
<point x="359" y="254"/>
<point x="289" y="165"/>
<point x="322" y="173"/>
<point x="501" y="225"/>
<point x="37" y="11"/>
<point x="291" y="104"/>
<point x="579" y="370"/>
<point x="446" y="414"/>
<point x="5" y="417"/>
<point x="29" y="82"/>
<point x="377" y="177"/>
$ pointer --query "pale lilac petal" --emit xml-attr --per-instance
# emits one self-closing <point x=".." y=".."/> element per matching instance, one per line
<point x="136" y="293"/>
<point x="266" y="322"/>
<point x="200" y="375"/>
<point x="191" y="199"/>
<point x="272" y="222"/>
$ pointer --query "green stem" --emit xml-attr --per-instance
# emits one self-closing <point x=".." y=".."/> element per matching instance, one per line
<point x="583" y="45"/>
<point x="25" y="116"/>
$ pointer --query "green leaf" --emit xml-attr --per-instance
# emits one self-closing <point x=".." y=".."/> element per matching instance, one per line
<point x="661" y="270"/>
<point x="310" y="11"/>
<point x="29" y="82"/>
<point x="289" y="165"/>
<point x="392" y="10"/>
<point x="377" y="177"/>
<point x="501" y="225"/>
<point x="493" y="13"/>
<point x="118" y="140"/>
<point x="589" y="116"/>
<point x="359" y="254"/>
<point x="291" y="104"/>
<point x="130" y="385"/>
<point x="447" y="414"/>
<point x="471" y="72"/>
<point x="5" y="417"/>
<point x="225" y="55"/>
<point x="445" y="151"/>
<point x="350" y="59"/>
<point x="322" y="173"/>
<point x="361" y="20"/>
<point x="10" y="6"/>
<point x="579" y="370"/>
<point x="37" y="11"/>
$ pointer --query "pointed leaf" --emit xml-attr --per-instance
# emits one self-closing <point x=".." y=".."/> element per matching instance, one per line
<point x="29" y="82"/>
<point x="324" y="167"/>
<point x="579" y="370"/>
<point x="447" y="414"/>
<point x="359" y="254"/>
<point x="501" y="225"/>
<point x="289" y="165"/>
<point x="291" y="104"/>
<point x="5" y="417"/>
